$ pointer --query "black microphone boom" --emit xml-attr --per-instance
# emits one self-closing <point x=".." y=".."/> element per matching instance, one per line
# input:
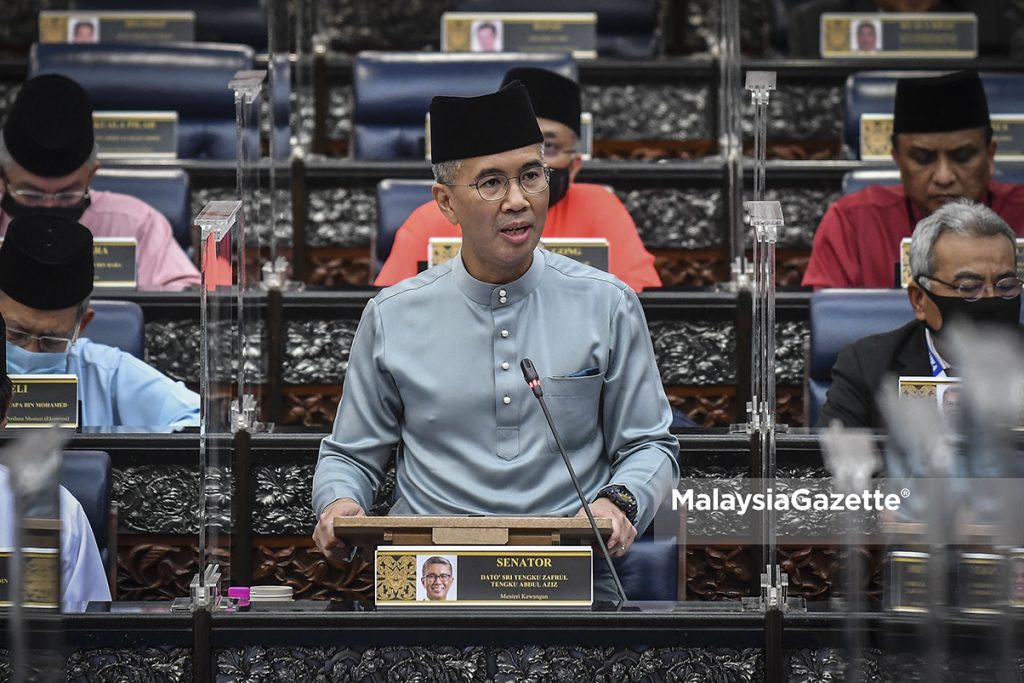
<point x="533" y="381"/>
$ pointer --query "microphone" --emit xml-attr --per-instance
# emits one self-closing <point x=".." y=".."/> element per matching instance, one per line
<point x="533" y="381"/>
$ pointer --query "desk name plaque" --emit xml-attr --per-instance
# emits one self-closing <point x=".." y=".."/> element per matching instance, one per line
<point x="136" y="134"/>
<point x="40" y="573"/>
<point x="591" y="251"/>
<point x="44" y="400"/>
<point x="907" y="587"/>
<point x="938" y="35"/>
<point x="85" y="27"/>
<point x="876" y="137"/>
<point x="114" y="262"/>
<point x="483" y="32"/>
<point x="981" y="583"/>
<point x="483" y="576"/>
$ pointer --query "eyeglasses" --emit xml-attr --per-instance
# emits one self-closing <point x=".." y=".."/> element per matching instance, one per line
<point x="552" y="150"/>
<point x="431" y="578"/>
<point x="972" y="290"/>
<point x="46" y="344"/>
<point x="38" y="198"/>
<point x="493" y="188"/>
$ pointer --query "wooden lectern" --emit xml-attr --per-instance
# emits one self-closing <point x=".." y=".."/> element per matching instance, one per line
<point x="421" y="530"/>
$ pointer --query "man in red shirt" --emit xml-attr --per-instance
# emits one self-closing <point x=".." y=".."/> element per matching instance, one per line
<point x="574" y="209"/>
<point x="942" y="143"/>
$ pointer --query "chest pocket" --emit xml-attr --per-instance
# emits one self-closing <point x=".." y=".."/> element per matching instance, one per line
<point x="574" y="403"/>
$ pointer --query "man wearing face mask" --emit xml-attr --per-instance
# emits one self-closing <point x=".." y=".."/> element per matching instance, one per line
<point x="46" y="274"/>
<point x="574" y="209"/>
<point x="963" y="263"/>
<point x="48" y="159"/>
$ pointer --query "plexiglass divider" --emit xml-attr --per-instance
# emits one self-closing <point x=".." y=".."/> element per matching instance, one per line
<point x="33" y="576"/>
<point x="730" y="131"/>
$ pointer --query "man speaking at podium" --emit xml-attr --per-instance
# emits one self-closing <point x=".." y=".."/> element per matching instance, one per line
<point x="435" y="361"/>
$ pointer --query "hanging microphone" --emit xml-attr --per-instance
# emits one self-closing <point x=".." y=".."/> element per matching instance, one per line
<point x="533" y="381"/>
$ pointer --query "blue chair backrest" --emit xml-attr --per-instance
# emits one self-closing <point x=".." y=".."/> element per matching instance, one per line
<point x="873" y="92"/>
<point x="624" y="29"/>
<point x="224" y="21"/>
<point x="396" y="199"/>
<point x="191" y="79"/>
<point x="857" y="180"/>
<point x="88" y="476"/>
<point x="392" y="93"/>
<point x="119" y="324"/>
<point x="840" y="317"/>
<point x="650" y="570"/>
<point x="166" y="190"/>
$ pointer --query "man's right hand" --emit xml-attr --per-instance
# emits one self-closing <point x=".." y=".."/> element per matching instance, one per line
<point x="330" y="545"/>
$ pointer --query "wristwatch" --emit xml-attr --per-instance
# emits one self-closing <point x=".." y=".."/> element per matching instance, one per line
<point x="622" y="498"/>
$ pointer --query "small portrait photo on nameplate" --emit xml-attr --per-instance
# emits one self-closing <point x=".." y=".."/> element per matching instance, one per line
<point x="1015" y="560"/>
<point x="140" y="27"/>
<point x="136" y="134"/>
<point x="482" y="32"/>
<point x="483" y="576"/>
<point x="946" y="392"/>
<point x="937" y="35"/>
<point x="43" y="400"/>
<point x="114" y="261"/>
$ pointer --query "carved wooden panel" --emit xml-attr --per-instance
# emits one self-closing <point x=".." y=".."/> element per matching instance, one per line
<point x="294" y="561"/>
<point x="707" y="406"/>
<point x="718" y="573"/>
<point x="691" y="268"/>
<point x="311" y="405"/>
<point x="789" y="402"/>
<point x="155" y="567"/>
<point x="334" y="267"/>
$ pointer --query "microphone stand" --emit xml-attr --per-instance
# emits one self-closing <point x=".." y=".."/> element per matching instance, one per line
<point x="533" y="381"/>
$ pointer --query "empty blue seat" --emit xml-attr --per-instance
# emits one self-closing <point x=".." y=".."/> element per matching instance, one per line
<point x="396" y="199"/>
<point x="191" y="79"/>
<point x="392" y="93"/>
<point x="119" y="324"/>
<point x="840" y="317"/>
<point x="166" y="190"/>
<point x="624" y="29"/>
<point x="873" y="92"/>
<point x="89" y="478"/>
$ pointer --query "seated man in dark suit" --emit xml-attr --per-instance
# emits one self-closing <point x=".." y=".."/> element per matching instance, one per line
<point x="963" y="263"/>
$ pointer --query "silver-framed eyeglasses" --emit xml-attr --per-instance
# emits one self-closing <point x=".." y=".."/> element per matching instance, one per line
<point x="40" y="198"/>
<point x="494" y="187"/>
<point x="444" y="578"/>
<point x="972" y="290"/>
<point x="47" y="344"/>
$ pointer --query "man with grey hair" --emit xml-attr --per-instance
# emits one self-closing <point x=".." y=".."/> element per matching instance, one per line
<point x="963" y="263"/>
<point x="47" y="162"/>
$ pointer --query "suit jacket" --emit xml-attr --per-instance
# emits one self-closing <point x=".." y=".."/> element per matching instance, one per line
<point x="861" y="368"/>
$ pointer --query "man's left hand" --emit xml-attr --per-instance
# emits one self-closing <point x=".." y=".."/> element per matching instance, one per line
<point x="623" y="532"/>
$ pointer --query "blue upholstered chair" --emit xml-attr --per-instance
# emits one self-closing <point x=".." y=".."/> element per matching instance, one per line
<point x="396" y="199"/>
<point x="842" y="316"/>
<point x="392" y="93"/>
<point x="89" y="478"/>
<point x="624" y="29"/>
<point x="119" y="324"/>
<point x="191" y="79"/>
<point x="166" y="190"/>
<point x="873" y="92"/>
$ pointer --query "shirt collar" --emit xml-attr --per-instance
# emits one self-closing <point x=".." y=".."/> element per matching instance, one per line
<point x="507" y="294"/>
<point x="943" y="365"/>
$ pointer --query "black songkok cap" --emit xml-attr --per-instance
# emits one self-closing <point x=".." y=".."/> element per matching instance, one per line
<point x="46" y="262"/>
<point x="553" y="96"/>
<point x="48" y="131"/>
<point x="940" y="104"/>
<point x="467" y="127"/>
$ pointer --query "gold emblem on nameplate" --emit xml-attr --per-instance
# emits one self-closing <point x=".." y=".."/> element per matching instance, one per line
<point x="396" y="577"/>
<point x="919" y="389"/>
<point x="442" y="252"/>
<point x="837" y="35"/>
<point x="875" y="136"/>
<point x="458" y="35"/>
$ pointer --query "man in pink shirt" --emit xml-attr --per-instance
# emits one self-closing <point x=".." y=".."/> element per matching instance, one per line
<point x="48" y="159"/>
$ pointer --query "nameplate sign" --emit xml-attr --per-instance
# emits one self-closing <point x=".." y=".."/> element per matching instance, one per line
<point x="1016" y="561"/>
<point x="136" y="134"/>
<point x="905" y="260"/>
<point x="475" y="576"/>
<point x="907" y="587"/>
<point x="44" y="400"/>
<point x="592" y="251"/>
<point x="876" y="137"/>
<point x="114" y="260"/>
<point x="981" y="583"/>
<point x="573" y="32"/>
<point x="40" y="573"/>
<point x="117" y="27"/>
<point x="945" y="35"/>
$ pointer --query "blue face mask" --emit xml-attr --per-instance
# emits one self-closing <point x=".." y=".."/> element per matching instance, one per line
<point x="22" y="362"/>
